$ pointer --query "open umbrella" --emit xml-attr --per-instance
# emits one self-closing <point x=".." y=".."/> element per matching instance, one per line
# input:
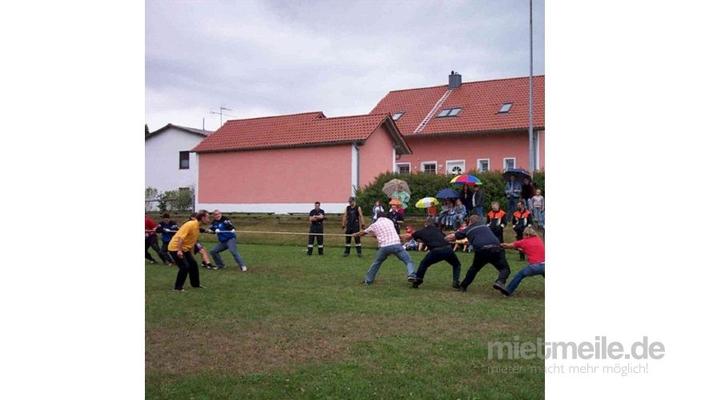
<point x="469" y="180"/>
<point x="517" y="172"/>
<point x="447" y="194"/>
<point x="395" y="185"/>
<point x="427" y="202"/>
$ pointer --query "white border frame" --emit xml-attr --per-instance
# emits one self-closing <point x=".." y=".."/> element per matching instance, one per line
<point x="515" y="162"/>
<point x="436" y="166"/>
<point x="478" y="163"/>
<point x="463" y="168"/>
<point x="396" y="167"/>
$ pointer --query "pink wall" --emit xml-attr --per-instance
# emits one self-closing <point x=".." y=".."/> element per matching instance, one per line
<point x="296" y="175"/>
<point x="375" y="156"/>
<point x="470" y="148"/>
<point x="541" y="139"/>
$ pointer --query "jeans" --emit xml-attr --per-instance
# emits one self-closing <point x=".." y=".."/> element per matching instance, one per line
<point x="530" y="270"/>
<point x="539" y="216"/>
<point x="381" y="256"/>
<point x="230" y="244"/>
<point x="186" y="266"/>
<point x="495" y="256"/>
<point x="440" y="254"/>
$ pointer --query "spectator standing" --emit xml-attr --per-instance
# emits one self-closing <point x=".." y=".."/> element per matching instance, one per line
<point x="352" y="222"/>
<point x="495" y="220"/>
<point x="316" y="217"/>
<point x="538" y="208"/>
<point x="512" y="193"/>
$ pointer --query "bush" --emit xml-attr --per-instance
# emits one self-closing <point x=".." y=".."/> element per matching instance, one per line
<point x="176" y="200"/>
<point x="423" y="185"/>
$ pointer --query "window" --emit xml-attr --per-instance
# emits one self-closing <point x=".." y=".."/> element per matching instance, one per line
<point x="483" y="164"/>
<point x="184" y="160"/>
<point x="455" y="167"/>
<point x="403" y="168"/>
<point x="449" y="112"/>
<point x="429" y="167"/>
<point x="508" y="163"/>
<point x="397" y="115"/>
<point x="505" y="108"/>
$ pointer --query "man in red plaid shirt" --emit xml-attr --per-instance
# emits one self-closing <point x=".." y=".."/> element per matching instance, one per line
<point x="389" y="243"/>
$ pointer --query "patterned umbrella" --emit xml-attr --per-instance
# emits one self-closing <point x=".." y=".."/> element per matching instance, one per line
<point x="395" y="185"/>
<point x="469" y="180"/>
<point x="427" y="202"/>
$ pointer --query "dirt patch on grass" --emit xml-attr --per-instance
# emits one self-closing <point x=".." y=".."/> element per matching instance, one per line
<point x="283" y="344"/>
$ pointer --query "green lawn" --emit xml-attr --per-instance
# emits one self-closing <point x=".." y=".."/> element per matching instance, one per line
<point x="303" y="327"/>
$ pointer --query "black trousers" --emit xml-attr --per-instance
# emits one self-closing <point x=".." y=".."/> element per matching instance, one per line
<point x="313" y="238"/>
<point x="498" y="231"/>
<point x="444" y="253"/>
<point x="151" y="242"/>
<point x="350" y="229"/>
<point x="495" y="256"/>
<point x="165" y="251"/>
<point x="186" y="266"/>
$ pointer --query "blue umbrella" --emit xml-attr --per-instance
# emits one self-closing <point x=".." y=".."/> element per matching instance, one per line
<point x="517" y="172"/>
<point x="447" y="194"/>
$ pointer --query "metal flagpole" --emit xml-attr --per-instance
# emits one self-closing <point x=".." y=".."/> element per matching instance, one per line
<point x="531" y="149"/>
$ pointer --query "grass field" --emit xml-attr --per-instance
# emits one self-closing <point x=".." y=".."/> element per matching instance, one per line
<point x="303" y="327"/>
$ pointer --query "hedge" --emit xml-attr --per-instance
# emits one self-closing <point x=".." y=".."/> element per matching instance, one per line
<point x="423" y="185"/>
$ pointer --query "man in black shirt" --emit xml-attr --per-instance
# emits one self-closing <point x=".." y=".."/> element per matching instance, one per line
<point x="487" y="249"/>
<point x="439" y="250"/>
<point x="353" y="222"/>
<point x="316" y="216"/>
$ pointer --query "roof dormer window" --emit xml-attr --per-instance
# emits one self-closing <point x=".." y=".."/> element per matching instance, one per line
<point x="397" y="115"/>
<point x="505" y="108"/>
<point x="449" y="112"/>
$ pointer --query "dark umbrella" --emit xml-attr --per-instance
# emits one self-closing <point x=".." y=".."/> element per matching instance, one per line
<point x="517" y="172"/>
<point x="447" y="194"/>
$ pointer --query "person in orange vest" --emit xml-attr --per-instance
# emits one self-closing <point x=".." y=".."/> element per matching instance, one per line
<point x="521" y="220"/>
<point x="495" y="219"/>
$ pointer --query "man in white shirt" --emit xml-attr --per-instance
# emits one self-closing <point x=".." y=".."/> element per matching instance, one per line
<point x="389" y="243"/>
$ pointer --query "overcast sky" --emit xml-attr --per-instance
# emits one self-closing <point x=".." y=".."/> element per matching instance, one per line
<point x="263" y="58"/>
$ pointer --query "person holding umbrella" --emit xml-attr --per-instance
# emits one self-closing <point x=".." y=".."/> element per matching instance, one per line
<point x="512" y="193"/>
<point x="353" y="221"/>
<point x="396" y="214"/>
<point x="398" y="189"/>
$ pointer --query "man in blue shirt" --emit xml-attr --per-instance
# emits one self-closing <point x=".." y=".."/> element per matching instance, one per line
<point x="227" y="236"/>
<point x="167" y="229"/>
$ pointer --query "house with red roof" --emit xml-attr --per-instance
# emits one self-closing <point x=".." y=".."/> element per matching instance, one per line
<point x="471" y="125"/>
<point x="285" y="163"/>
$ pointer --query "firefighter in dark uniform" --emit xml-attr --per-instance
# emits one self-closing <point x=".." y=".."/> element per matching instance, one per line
<point x="316" y="216"/>
<point x="353" y="222"/>
<point x="521" y="220"/>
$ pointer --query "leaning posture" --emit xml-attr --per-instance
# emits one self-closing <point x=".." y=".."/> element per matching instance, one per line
<point x="180" y="248"/>
<point x="534" y="249"/>
<point x="389" y="243"/>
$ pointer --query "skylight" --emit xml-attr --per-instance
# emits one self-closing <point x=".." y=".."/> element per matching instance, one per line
<point x="449" y="112"/>
<point x="397" y="115"/>
<point x="505" y="107"/>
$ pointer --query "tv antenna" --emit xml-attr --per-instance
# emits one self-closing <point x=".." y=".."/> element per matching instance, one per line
<point x="221" y="112"/>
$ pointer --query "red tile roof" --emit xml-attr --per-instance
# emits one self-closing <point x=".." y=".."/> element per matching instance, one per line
<point x="297" y="130"/>
<point x="479" y="103"/>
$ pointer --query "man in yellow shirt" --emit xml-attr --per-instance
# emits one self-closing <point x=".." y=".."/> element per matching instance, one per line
<point x="180" y="248"/>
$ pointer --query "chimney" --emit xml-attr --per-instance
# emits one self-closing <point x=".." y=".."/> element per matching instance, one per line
<point x="454" y="80"/>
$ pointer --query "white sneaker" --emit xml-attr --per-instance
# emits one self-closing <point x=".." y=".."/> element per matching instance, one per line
<point x="243" y="268"/>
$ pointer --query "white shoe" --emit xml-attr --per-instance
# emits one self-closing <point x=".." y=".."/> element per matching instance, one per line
<point x="243" y="268"/>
